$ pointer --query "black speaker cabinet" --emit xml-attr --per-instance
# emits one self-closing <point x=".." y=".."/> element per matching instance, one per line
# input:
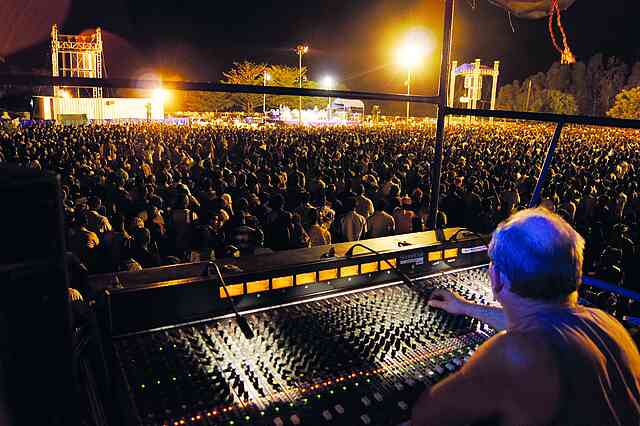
<point x="36" y="385"/>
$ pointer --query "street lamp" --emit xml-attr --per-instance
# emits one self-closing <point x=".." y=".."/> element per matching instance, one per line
<point x="328" y="84"/>
<point x="266" y="77"/>
<point x="411" y="53"/>
<point x="300" y="50"/>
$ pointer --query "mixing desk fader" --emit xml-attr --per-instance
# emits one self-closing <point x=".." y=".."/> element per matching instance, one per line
<point x="359" y="357"/>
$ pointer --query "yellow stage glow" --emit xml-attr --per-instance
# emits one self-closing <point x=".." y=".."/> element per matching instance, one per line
<point x="64" y="94"/>
<point x="160" y="95"/>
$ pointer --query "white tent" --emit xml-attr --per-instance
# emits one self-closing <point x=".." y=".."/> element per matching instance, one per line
<point x="347" y="103"/>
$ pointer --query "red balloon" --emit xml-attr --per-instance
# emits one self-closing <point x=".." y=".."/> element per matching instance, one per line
<point x="531" y="9"/>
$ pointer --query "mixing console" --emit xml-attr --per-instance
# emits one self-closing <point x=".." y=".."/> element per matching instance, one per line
<point x="360" y="357"/>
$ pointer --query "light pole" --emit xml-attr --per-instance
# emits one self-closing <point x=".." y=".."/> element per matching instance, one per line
<point x="300" y="50"/>
<point x="411" y="53"/>
<point x="408" y="89"/>
<point x="327" y="84"/>
<point x="266" y="77"/>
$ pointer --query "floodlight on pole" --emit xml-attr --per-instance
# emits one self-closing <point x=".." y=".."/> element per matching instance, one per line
<point x="266" y="77"/>
<point x="300" y="50"/>
<point x="410" y="54"/>
<point x="328" y="83"/>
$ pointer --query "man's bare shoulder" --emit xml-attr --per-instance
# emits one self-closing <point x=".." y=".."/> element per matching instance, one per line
<point x="519" y="367"/>
<point x="514" y="352"/>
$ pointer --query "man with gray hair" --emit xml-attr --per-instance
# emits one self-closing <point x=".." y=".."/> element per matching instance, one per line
<point x="553" y="362"/>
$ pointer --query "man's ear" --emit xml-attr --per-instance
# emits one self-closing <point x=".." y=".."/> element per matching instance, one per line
<point x="499" y="282"/>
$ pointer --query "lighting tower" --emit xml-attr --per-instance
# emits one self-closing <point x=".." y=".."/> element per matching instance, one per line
<point x="266" y="77"/>
<point x="328" y="84"/>
<point x="411" y="53"/>
<point x="300" y="50"/>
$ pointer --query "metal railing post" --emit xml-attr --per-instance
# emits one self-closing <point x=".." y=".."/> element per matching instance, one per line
<point x="548" y="159"/>
<point x="436" y="167"/>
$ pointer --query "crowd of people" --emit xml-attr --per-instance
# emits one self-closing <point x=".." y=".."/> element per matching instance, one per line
<point x="144" y="195"/>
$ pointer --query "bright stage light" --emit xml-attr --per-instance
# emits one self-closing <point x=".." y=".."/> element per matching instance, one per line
<point x="64" y="94"/>
<point x="160" y="94"/>
<point x="328" y="82"/>
<point x="416" y="45"/>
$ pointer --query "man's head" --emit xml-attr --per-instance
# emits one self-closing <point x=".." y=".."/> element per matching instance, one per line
<point x="535" y="254"/>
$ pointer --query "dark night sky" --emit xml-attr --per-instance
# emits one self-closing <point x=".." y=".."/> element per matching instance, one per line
<point x="351" y="40"/>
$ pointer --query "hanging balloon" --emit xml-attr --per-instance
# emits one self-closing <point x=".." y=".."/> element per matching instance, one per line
<point x="532" y="9"/>
<point x="536" y="9"/>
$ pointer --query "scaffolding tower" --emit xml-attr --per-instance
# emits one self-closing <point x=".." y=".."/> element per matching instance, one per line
<point x="76" y="56"/>
<point x="473" y="74"/>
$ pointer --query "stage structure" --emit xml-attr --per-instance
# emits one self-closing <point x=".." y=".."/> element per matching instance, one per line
<point x="82" y="56"/>
<point x="76" y="56"/>
<point x="473" y="74"/>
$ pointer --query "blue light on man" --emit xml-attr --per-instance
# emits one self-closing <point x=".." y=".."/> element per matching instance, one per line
<point x="554" y="362"/>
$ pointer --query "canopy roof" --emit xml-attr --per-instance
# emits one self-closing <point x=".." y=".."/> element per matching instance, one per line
<point x="348" y="103"/>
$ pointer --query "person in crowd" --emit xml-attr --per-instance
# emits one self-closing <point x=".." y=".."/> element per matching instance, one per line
<point x="364" y="206"/>
<point x="554" y="362"/>
<point x="96" y="222"/>
<point x="83" y="242"/>
<point x="353" y="226"/>
<point x="318" y="234"/>
<point x="404" y="216"/>
<point x="142" y="251"/>
<point x="278" y="225"/>
<point x="381" y="223"/>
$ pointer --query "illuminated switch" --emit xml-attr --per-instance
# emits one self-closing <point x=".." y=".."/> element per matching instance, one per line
<point x="378" y="397"/>
<point x="403" y="405"/>
<point x="365" y="419"/>
<point x="366" y="401"/>
<point x="327" y="415"/>
<point x="339" y="408"/>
